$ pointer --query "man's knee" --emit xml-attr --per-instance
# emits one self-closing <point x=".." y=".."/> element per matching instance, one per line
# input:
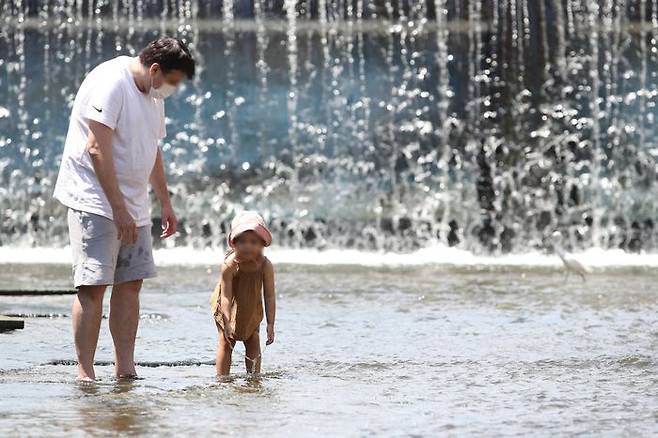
<point x="92" y="295"/>
<point x="128" y="287"/>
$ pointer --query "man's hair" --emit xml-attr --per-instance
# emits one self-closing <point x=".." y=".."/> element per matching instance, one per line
<point x="170" y="54"/>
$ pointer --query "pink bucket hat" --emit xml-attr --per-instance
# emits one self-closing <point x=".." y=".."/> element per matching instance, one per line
<point x="249" y="221"/>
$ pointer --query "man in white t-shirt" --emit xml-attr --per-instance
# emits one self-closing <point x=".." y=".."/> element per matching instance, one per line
<point x="110" y="157"/>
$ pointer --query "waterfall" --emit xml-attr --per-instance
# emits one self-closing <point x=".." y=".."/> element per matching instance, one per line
<point x="375" y="125"/>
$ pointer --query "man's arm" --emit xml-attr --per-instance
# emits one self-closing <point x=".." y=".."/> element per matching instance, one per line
<point x="159" y="184"/>
<point x="99" y="147"/>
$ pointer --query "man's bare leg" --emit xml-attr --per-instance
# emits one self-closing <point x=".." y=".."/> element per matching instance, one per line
<point x="87" y="312"/>
<point x="124" y="319"/>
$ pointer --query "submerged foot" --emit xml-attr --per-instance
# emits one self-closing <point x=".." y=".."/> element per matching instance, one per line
<point x="128" y="377"/>
<point x="224" y="378"/>
<point x="85" y="380"/>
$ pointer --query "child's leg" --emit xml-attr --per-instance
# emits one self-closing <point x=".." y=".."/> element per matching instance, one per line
<point x="223" y="358"/>
<point x="252" y="359"/>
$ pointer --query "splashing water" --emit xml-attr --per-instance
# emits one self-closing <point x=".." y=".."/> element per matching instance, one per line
<point x="362" y="124"/>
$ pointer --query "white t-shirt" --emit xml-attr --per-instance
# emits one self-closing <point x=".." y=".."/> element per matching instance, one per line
<point x="110" y="96"/>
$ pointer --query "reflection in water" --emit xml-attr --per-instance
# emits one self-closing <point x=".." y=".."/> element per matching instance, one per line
<point x="118" y="410"/>
<point x="248" y="383"/>
<point x="87" y="387"/>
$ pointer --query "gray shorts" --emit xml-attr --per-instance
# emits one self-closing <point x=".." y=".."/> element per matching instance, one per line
<point x="100" y="258"/>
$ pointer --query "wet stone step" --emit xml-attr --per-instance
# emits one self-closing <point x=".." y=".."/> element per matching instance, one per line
<point x="8" y="323"/>
<point x="36" y="292"/>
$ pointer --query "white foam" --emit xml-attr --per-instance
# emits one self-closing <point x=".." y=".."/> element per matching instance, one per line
<point x="435" y="255"/>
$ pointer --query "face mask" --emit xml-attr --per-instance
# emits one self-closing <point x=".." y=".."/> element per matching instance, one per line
<point x="163" y="91"/>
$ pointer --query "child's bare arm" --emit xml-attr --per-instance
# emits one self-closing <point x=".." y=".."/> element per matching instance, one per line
<point x="270" y="300"/>
<point x="226" y="297"/>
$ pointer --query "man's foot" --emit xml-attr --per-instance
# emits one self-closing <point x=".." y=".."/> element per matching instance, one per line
<point x="87" y="385"/>
<point x="85" y="375"/>
<point x="224" y="378"/>
<point x="128" y="377"/>
<point x="84" y="379"/>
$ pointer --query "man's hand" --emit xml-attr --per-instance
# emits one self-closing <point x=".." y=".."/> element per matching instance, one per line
<point x="169" y="221"/>
<point x="159" y="184"/>
<point x="99" y="148"/>
<point x="270" y="334"/>
<point x="126" y="227"/>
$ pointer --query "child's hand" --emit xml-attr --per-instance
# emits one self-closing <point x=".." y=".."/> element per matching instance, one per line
<point x="270" y="334"/>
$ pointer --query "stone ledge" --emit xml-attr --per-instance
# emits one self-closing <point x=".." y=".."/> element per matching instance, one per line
<point x="7" y="323"/>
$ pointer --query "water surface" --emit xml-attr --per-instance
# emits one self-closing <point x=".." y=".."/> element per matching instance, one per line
<point x="423" y="350"/>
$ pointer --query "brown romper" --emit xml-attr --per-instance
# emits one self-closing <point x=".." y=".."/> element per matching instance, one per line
<point x="247" y="305"/>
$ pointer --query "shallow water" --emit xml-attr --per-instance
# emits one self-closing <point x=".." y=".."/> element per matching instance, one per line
<point x="360" y="351"/>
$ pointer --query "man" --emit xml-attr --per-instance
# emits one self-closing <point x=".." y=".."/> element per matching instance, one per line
<point x="110" y="156"/>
